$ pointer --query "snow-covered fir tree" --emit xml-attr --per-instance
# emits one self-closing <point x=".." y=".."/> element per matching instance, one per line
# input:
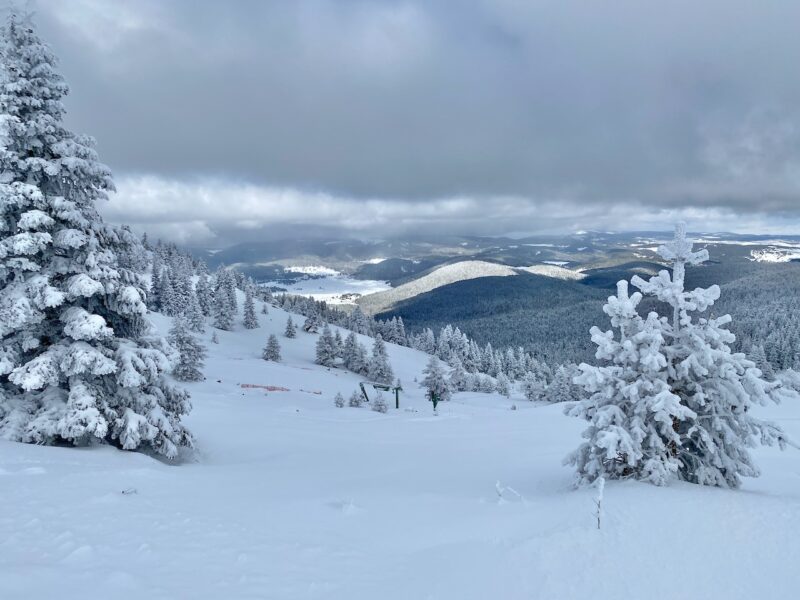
<point x="670" y="399"/>
<point x="326" y="348"/>
<point x="312" y="323"/>
<point x="560" y="389"/>
<point x="214" y="338"/>
<point x="264" y="310"/>
<point x="78" y="361"/>
<point x="291" y="330"/>
<point x="272" y="351"/>
<point x="204" y="297"/>
<point x="379" y="368"/>
<point x="224" y="307"/>
<point x="338" y="400"/>
<point x="379" y="404"/>
<point x="190" y="351"/>
<point x="503" y="385"/>
<point x="533" y="388"/>
<point x="435" y="380"/>
<point x="349" y="351"/>
<point x="459" y="378"/>
<point x="355" y="399"/>
<point x="250" y="318"/>
<point x="338" y="344"/>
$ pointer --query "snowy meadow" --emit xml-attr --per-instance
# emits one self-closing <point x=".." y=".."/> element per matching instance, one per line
<point x="290" y="497"/>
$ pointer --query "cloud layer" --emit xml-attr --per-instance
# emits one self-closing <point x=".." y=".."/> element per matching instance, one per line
<point x="428" y="114"/>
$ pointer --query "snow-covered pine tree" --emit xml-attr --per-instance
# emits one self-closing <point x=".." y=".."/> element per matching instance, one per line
<point x="671" y="399"/>
<point x="191" y="352"/>
<point x="326" y="348"/>
<point x="435" y="380"/>
<point x="503" y="385"/>
<point x="532" y="387"/>
<point x="78" y="360"/>
<point x="223" y="310"/>
<point x="168" y="301"/>
<point x="349" y="351"/>
<point x="759" y="357"/>
<point x="194" y="315"/>
<point x="291" y="330"/>
<point x="203" y="293"/>
<point x="338" y="400"/>
<point x="264" y="309"/>
<point x="338" y="344"/>
<point x="361" y="361"/>
<point x="250" y="318"/>
<point x="378" y="403"/>
<point x="272" y="351"/>
<point x="560" y="389"/>
<point x="312" y="323"/>
<point x="459" y="378"/>
<point x="355" y="399"/>
<point x="379" y="368"/>
<point x="214" y="338"/>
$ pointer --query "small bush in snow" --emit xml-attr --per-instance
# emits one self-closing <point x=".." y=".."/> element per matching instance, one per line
<point x="338" y="400"/>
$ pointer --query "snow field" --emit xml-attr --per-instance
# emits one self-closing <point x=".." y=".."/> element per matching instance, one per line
<point x="290" y="497"/>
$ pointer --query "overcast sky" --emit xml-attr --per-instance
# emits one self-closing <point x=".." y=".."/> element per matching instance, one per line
<point x="230" y="120"/>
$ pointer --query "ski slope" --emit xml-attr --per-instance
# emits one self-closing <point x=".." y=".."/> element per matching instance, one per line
<point x="290" y="498"/>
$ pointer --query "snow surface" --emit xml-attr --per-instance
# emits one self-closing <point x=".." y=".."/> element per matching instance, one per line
<point x="329" y="285"/>
<point x="775" y="254"/>
<point x="293" y="498"/>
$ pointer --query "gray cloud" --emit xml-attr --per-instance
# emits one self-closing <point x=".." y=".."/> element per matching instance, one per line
<point x="630" y="107"/>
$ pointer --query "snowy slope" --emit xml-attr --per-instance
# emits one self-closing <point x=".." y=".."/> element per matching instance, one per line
<point x="453" y="273"/>
<point x="293" y="498"/>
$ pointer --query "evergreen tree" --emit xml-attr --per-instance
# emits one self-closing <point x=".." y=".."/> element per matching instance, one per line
<point x="338" y="344"/>
<point x="290" y="331"/>
<point x="350" y="351"/>
<point x="671" y="399"/>
<point x="191" y="352"/>
<point x="312" y="323"/>
<point x="532" y="387"/>
<point x="194" y="315"/>
<point x="326" y="349"/>
<point x="223" y="309"/>
<point x="272" y="351"/>
<point x="264" y="310"/>
<point x="560" y="389"/>
<point x="379" y="369"/>
<point x="459" y="379"/>
<point x="361" y="361"/>
<point x="435" y="380"/>
<point x="214" y="338"/>
<point x="78" y="359"/>
<point x="338" y="400"/>
<point x="250" y="319"/>
<point x="204" y="296"/>
<point x="503" y="385"/>
<point x="168" y="301"/>
<point x="356" y="399"/>
<point x="378" y="404"/>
